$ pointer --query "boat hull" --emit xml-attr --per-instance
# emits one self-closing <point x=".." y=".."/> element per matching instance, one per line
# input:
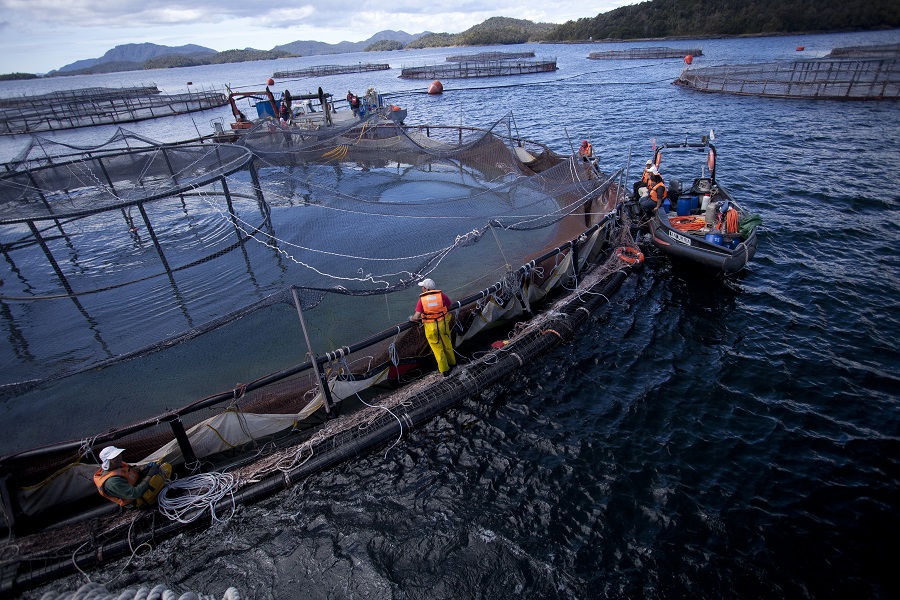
<point x="699" y="252"/>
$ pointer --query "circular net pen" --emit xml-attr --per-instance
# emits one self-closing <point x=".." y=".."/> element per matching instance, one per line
<point x="865" y="78"/>
<point x="86" y="107"/>
<point x="189" y="301"/>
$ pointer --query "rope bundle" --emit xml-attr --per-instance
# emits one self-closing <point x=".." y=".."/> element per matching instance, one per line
<point x="202" y="491"/>
<point x="96" y="591"/>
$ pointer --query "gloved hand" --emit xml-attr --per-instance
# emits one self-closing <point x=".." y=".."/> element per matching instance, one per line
<point x="153" y="470"/>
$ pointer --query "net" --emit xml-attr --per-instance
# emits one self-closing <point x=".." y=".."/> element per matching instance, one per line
<point x="169" y="289"/>
<point x="864" y="78"/>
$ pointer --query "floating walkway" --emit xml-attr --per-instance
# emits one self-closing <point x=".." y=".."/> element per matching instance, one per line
<point x="490" y="56"/>
<point x="654" y="52"/>
<point x="323" y="70"/>
<point x="822" y="79"/>
<point x="479" y="68"/>
<point x="70" y="109"/>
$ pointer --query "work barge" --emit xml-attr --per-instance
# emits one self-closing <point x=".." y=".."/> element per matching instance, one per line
<point x="273" y="431"/>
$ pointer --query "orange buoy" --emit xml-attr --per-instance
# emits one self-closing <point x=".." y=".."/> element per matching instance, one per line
<point x="801" y="48"/>
<point x="270" y="81"/>
<point x="688" y="59"/>
<point x="436" y="87"/>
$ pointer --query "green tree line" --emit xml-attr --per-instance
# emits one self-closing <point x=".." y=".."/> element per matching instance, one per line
<point x="702" y="18"/>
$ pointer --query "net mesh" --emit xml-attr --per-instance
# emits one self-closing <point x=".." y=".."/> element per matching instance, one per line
<point x="865" y="78"/>
<point x="169" y="280"/>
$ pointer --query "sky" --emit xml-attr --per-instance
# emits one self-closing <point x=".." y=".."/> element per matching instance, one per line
<point x="37" y="36"/>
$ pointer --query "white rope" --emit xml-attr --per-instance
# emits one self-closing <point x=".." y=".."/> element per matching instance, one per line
<point x="201" y="491"/>
<point x="96" y="591"/>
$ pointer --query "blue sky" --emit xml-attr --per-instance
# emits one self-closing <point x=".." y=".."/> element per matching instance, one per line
<point x="37" y="36"/>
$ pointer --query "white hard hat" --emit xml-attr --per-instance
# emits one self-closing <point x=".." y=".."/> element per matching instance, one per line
<point x="654" y="170"/>
<point x="649" y="162"/>
<point x="427" y="283"/>
<point x="109" y="453"/>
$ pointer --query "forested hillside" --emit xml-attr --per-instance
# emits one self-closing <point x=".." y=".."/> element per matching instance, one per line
<point x="694" y="18"/>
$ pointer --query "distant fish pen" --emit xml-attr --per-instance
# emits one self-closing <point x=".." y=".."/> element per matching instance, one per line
<point x="490" y="56"/>
<point x="825" y="79"/>
<point x="479" y="68"/>
<point x="322" y="70"/>
<point x="654" y="52"/>
<point x="98" y="106"/>
<point x="885" y="50"/>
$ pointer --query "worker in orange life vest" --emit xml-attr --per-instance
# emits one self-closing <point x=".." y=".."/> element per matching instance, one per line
<point x="657" y="190"/>
<point x="586" y="152"/>
<point x="431" y="310"/>
<point x="125" y="485"/>
<point x="645" y="179"/>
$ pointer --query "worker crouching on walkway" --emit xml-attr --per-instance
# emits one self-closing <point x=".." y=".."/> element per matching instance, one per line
<point x="432" y="310"/>
<point x="125" y="485"/>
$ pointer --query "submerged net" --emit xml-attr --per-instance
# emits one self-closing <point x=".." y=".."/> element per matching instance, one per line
<point x="175" y="280"/>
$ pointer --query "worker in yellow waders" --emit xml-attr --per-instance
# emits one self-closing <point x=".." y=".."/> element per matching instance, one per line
<point x="432" y="311"/>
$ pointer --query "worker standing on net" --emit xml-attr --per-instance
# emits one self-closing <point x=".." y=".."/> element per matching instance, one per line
<point x="125" y="485"/>
<point x="432" y="311"/>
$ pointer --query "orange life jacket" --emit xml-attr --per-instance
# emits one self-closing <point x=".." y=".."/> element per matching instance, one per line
<point x="646" y="176"/>
<point x="655" y="194"/>
<point x="433" y="308"/>
<point x="586" y="150"/>
<point x="128" y="472"/>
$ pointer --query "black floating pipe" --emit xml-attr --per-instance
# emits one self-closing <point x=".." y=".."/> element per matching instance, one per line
<point x="345" y="446"/>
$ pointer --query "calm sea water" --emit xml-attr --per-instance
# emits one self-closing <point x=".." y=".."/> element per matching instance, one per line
<point x="698" y="439"/>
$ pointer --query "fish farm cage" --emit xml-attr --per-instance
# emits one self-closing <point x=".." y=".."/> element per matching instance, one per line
<point x="98" y="106"/>
<point x="489" y="56"/>
<point x="885" y="50"/>
<point x="862" y="78"/>
<point x="654" y="52"/>
<point x="325" y="70"/>
<point x="479" y="68"/>
<point x="283" y="262"/>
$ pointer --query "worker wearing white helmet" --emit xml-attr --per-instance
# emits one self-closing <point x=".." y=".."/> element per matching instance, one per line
<point x="432" y="310"/>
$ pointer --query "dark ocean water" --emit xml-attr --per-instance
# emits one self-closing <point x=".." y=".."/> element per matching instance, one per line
<point x="698" y="439"/>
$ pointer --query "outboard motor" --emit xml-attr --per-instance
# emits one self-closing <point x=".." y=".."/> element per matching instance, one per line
<point x="674" y="190"/>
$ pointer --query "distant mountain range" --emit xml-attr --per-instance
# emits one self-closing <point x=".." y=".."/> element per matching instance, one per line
<point x="134" y="56"/>
<point x="310" y="48"/>
<point x="137" y="53"/>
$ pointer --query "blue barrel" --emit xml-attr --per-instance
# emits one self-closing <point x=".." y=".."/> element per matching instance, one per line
<point x="684" y="206"/>
<point x="715" y="238"/>
<point x="666" y="205"/>
<point x="695" y="202"/>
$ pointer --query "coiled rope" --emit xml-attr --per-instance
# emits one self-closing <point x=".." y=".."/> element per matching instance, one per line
<point x="96" y="591"/>
<point x="200" y="492"/>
